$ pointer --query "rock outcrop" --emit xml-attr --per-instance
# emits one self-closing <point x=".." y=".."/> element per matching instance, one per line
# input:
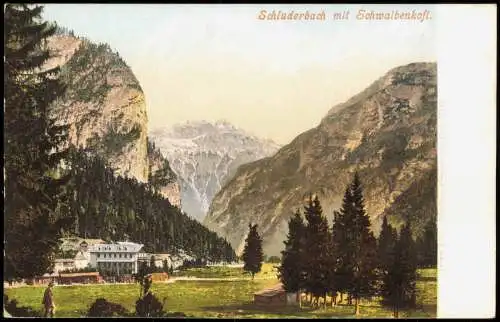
<point x="104" y="107"/>
<point x="161" y="176"/>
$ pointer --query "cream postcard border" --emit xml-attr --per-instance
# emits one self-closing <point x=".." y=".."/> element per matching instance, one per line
<point x="466" y="46"/>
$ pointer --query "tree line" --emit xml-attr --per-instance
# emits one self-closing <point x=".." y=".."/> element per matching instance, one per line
<point x="112" y="207"/>
<point x="43" y="200"/>
<point x="346" y="258"/>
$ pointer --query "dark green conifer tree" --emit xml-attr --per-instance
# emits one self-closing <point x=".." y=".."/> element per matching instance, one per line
<point x="252" y="253"/>
<point x="343" y="245"/>
<point x="365" y="248"/>
<point x="291" y="272"/>
<point x="386" y="242"/>
<point x="336" y="280"/>
<point x="427" y="245"/>
<point x="152" y="264"/>
<point x="317" y="258"/>
<point x="357" y="247"/>
<point x="398" y="289"/>
<point x="33" y="145"/>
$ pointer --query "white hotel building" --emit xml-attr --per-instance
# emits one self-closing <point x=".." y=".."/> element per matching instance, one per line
<point x="119" y="258"/>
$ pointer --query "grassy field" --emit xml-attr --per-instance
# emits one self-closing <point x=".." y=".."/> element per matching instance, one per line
<point x="231" y="299"/>
<point x="267" y="271"/>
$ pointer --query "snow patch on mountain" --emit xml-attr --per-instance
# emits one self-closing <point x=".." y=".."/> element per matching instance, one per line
<point x="205" y="156"/>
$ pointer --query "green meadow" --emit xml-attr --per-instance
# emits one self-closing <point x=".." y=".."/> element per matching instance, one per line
<point x="230" y="299"/>
<point x="268" y="271"/>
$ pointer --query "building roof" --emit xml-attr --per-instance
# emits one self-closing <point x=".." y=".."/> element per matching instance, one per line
<point x="75" y="242"/>
<point x="94" y="241"/>
<point x="79" y="274"/>
<point x="272" y="291"/>
<point x="50" y="275"/>
<point x="82" y="256"/>
<point x="64" y="260"/>
<point x="161" y="256"/>
<point x="115" y="248"/>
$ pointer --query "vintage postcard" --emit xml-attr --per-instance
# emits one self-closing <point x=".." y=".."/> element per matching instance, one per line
<point x="225" y="161"/>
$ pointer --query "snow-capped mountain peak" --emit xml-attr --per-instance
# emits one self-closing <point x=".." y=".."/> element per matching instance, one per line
<point x="205" y="155"/>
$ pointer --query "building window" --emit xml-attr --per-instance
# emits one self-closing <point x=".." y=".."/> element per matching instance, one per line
<point x="114" y="255"/>
<point x="120" y="255"/>
<point x="98" y="255"/>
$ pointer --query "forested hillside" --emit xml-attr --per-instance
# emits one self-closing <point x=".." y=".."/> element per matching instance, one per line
<point x="118" y="208"/>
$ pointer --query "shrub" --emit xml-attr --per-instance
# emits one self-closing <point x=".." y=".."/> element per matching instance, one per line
<point x="15" y="311"/>
<point x="149" y="306"/>
<point x="103" y="308"/>
<point x="194" y="263"/>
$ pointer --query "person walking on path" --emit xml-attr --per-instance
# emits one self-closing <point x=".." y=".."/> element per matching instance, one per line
<point x="48" y="301"/>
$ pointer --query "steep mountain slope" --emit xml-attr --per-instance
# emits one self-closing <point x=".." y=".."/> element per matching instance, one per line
<point x="387" y="133"/>
<point x="105" y="109"/>
<point x="205" y="155"/>
<point x="162" y="177"/>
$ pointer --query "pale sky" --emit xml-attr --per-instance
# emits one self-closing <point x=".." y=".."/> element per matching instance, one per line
<point x="274" y="79"/>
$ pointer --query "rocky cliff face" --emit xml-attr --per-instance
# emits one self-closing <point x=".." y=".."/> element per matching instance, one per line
<point x="103" y="104"/>
<point x="387" y="133"/>
<point x="161" y="176"/>
<point x="105" y="109"/>
<point x="205" y="156"/>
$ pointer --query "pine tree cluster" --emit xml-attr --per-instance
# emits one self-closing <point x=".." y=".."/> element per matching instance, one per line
<point x="347" y="258"/>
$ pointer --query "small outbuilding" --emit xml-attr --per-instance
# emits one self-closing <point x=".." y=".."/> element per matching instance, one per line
<point x="42" y="280"/>
<point x="83" y="278"/>
<point x="273" y="296"/>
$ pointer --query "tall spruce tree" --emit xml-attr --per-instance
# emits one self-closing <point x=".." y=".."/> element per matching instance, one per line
<point x="252" y="253"/>
<point x="359" y="247"/>
<point x="336" y="280"/>
<point x="318" y="244"/>
<point x="32" y="144"/>
<point x="152" y="264"/>
<point x="291" y="271"/>
<point x="343" y="245"/>
<point x="398" y="289"/>
<point x="365" y="248"/>
<point x="406" y="250"/>
<point x="386" y="243"/>
<point x="427" y="245"/>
